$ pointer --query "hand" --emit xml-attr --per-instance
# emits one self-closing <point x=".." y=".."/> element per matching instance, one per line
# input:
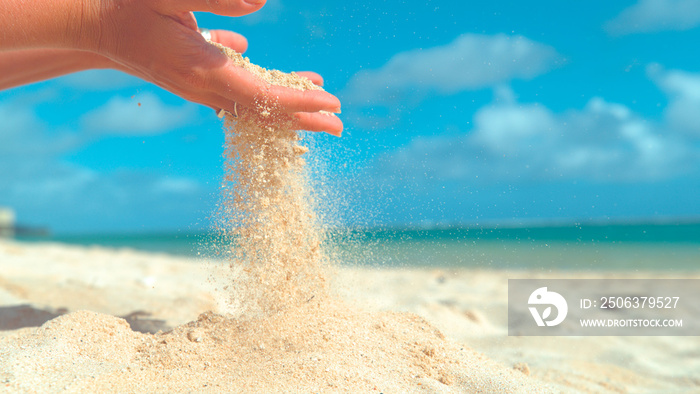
<point x="158" y="40"/>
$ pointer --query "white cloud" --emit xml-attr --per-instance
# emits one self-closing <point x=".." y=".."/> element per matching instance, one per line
<point x="22" y="135"/>
<point x="656" y="15"/>
<point x="683" y="90"/>
<point x="511" y="142"/>
<point x="510" y="128"/>
<point x="144" y="114"/>
<point x="471" y="61"/>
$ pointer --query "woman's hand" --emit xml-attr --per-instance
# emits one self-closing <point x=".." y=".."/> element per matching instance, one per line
<point x="156" y="40"/>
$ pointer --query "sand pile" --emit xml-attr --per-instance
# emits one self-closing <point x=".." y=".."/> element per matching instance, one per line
<point x="282" y="330"/>
<point x="320" y="349"/>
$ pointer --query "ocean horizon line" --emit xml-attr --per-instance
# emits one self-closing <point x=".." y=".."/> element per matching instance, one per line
<point x="495" y="224"/>
<point x="548" y="222"/>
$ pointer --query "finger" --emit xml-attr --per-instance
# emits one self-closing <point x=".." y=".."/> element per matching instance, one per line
<point x="238" y="85"/>
<point x="230" y="39"/>
<point x="292" y="100"/>
<point x="317" y="121"/>
<point x="312" y="76"/>
<point x="219" y="7"/>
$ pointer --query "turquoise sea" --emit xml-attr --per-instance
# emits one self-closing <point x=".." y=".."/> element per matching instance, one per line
<point x="619" y="246"/>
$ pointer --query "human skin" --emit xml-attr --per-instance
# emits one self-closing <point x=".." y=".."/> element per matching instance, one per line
<point x="156" y="40"/>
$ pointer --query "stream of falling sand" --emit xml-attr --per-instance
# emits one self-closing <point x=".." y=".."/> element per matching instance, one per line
<point x="268" y="209"/>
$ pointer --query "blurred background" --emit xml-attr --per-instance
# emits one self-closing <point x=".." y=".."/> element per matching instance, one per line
<point x="475" y="133"/>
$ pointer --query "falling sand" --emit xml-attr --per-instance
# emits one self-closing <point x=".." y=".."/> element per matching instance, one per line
<point x="267" y="213"/>
<point x="282" y="329"/>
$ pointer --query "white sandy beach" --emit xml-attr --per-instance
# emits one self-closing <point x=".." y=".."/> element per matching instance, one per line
<point x="453" y="339"/>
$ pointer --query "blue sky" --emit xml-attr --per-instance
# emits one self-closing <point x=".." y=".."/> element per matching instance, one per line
<point x="455" y="112"/>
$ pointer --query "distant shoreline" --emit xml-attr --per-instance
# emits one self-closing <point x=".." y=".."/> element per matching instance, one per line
<point x="621" y="246"/>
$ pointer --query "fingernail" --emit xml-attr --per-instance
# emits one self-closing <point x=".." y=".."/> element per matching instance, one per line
<point x="254" y="2"/>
